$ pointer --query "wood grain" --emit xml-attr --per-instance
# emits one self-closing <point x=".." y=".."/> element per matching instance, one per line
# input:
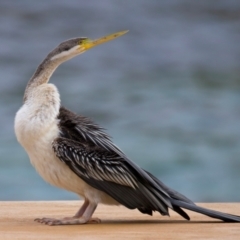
<point x="16" y="222"/>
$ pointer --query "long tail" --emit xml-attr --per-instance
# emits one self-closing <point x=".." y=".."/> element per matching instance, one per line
<point x="211" y="213"/>
<point x="179" y="201"/>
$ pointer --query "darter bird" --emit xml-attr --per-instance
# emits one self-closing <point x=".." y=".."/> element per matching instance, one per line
<point x="71" y="152"/>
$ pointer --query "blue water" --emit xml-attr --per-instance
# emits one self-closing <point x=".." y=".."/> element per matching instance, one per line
<point x="168" y="91"/>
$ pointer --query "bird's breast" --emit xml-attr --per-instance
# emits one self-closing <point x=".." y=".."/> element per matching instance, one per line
<point x="36" y="127"/>
<point x="37" y="118"/>
<point x="36" y="135"/>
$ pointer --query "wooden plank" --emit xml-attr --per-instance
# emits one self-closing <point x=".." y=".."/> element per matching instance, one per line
<point x="16" y="222"/>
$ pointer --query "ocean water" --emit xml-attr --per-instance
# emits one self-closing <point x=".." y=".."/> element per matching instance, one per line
<point x="168" y="92"/>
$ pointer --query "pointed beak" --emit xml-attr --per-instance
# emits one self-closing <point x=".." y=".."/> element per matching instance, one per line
<point x="88" y="43"/>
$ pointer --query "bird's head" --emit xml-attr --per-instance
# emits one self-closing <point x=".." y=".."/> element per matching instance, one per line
<point x="63" y="52"/>
<point x="73" y="47"/>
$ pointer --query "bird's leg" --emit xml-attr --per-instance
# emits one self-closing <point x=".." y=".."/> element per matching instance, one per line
<point x="81" y="210"/>
<point x="82" y="216"/>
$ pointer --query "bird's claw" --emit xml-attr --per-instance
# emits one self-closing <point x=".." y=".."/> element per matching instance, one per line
<point x="66" y="221"/>
<point x="48" y="221"/>
<point x="94" y="220"/>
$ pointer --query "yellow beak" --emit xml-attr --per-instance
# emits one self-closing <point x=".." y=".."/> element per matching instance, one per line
<point x="88" y="43"/>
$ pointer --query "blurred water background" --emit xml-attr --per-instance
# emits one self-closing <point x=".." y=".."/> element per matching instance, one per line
<point x="167" y="92"/>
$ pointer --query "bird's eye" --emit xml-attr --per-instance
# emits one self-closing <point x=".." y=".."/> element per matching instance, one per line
<point x="83" y="40"/>
<point x="66" y="48"/>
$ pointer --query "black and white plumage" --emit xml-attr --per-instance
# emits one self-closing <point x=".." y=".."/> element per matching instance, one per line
<point x="71" y="152"/>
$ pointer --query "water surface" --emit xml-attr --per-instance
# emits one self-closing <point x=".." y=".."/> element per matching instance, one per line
<point x="168" y="91"/>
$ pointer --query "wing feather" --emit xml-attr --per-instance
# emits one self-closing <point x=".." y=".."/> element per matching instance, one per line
<point x="90" y="153"/>
<point x="75" y="154"/>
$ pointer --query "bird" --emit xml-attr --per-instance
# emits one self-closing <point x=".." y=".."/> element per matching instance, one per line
<point x="72" y="152"/>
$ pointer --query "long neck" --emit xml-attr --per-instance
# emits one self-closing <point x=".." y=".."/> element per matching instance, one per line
<point x="41" y="76"/>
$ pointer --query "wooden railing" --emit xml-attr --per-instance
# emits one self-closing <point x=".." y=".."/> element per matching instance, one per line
<point x="17" y="222"/>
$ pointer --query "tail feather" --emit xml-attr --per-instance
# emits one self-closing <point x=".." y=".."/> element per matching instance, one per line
<point x="179" y="201"/>
<point x="211" y="213"/>
<point x="172" y="193"/>
<point x="181" y="212"/>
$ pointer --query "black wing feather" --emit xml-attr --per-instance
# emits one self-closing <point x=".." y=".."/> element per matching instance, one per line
<point x="84" y="131"/>
<point x="108" y="172"/>
<point x="147" y="195"/>
<point x="90" y="153"/>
